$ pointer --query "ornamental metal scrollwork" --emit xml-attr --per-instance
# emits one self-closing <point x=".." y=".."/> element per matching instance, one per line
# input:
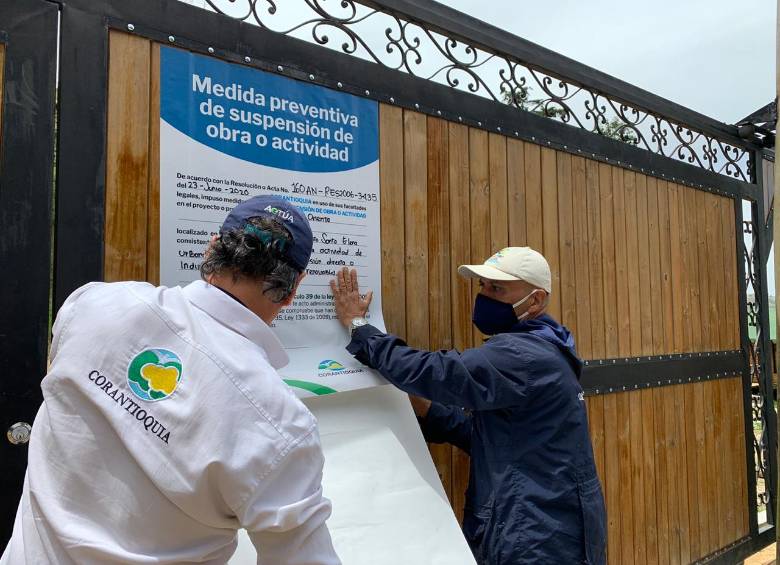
<point x="369" y="31"/>
<point x="757" y="357"/>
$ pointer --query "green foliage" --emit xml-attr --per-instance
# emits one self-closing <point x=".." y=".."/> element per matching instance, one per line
<point x="520" y="97"/>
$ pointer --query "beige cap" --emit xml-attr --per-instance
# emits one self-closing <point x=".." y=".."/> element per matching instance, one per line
<point x="512" y="264"/>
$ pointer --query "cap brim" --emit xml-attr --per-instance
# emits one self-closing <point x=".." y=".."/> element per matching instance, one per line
<point x="484" y="272"/>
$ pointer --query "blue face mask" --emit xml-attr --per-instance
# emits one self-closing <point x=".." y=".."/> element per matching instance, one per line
<point x="492" y="316"/>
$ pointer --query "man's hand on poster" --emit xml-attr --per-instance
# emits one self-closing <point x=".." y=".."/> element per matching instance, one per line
<point x="346" y="296"/>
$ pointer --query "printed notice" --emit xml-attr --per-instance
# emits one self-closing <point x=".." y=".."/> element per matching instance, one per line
<point x="229" y="132"/>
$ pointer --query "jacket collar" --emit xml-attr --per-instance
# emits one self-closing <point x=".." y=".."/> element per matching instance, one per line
<point x="238" y="318"/>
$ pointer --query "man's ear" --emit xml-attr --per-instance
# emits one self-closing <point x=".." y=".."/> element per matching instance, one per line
<point x="538" y="301"/>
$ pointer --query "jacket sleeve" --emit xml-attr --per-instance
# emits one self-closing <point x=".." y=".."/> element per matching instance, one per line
<point x="447" y="424"/>
<point x="468" y="380"/>
<point x="285" y="517"/>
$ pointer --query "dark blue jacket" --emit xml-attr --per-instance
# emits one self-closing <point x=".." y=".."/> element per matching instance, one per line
<point x="516" y="406"/>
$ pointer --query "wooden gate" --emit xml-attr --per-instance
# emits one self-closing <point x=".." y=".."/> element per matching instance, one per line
<point x="647" y="249"/>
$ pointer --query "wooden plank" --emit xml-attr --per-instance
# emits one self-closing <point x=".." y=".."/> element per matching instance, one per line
<point x="706" y="544"/>
<point x="550" y="227"/>
<point x="681" y="472"/>
<point x="648" y="475"/>
<point x="479" y="181"/>
<point x="581" y="255"/>
<point x="416" y="225"/>
<point x="568" y="279"/>
<point x="732" y="231"/>
<point x="611" y="478"/>
<point x="533" y="196"/>
<point x="740" y="469"/>
<point x="597" y="437"/>
<point x="704" y="233"/>
<point x="499" y="223"/>
<point x="669" y="238"/>
<point x="731" y="461"/>
<point x="515" y="162"/>
<point x="627" y="484"/>
<point x="681" y="273"/>
<point x="710" y="447"/>
<point x="392" y="207"/>
<point x="672" y="489"/>
<point x="715" y="255"/>
<point x="439" y="313"/>
<point x="460" y="238"/>
<point x="723" y="274"/>
<point x="656" y="269"/>
<point x="632" y="239"/>
<point x="460" y="253"/>
<point x="694" y="287"/>
<point x="661" y="476"/>
<point x="621" y="262"/>
<point x="694" y="502"/>
<point x="688" y="275"/>
<point x="643" y="256"/>
<point x="439" y="264"/>
<point x="595" y="267"/>
<point x="722" y="486"/>
<point x="609" y="274"/>
<point x="153" y="206"/>
<point x="127" y="158"/>
<point x="638" y="480"/>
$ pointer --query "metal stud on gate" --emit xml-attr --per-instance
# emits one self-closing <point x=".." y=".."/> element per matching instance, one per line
<point x="280" y="68"/>
<point x="130" y="27"/>
<point x="171" y="39"/>
<point x="339" y="85"/>
<point x="247" y="59"/>
<point x="211" y="50"/>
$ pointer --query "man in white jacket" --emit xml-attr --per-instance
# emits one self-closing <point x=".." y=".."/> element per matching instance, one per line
<point x="165" y="427"/>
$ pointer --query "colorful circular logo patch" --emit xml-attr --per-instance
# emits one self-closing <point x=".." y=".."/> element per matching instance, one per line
<point x="154" y="374"/>
<point x="330" y="365"/>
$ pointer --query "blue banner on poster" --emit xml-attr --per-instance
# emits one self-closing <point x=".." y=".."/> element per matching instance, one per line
<point x="264" y="118"/>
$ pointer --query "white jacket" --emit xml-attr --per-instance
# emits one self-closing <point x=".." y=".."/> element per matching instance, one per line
<point x="165" y="428"/>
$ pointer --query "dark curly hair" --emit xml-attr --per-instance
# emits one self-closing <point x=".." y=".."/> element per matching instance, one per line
<point x="256" y="253"/>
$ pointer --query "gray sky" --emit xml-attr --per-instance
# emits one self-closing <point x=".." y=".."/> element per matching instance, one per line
<point x="714" y="56"/>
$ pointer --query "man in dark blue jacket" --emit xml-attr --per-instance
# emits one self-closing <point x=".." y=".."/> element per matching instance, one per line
<point x="514" y="405"/>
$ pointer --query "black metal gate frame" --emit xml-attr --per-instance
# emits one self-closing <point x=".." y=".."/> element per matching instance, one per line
<point x="81" y="165"/>
<point x="28" y="32"/>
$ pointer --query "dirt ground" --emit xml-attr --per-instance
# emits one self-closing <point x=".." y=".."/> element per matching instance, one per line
<point x="763" y="557"/>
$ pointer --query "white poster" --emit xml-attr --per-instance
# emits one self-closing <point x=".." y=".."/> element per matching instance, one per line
<point x="229" y="132"/>
<point x="389" y="507"/>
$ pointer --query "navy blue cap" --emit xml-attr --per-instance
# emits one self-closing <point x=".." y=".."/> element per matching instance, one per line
<point x="298" y="251"/>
